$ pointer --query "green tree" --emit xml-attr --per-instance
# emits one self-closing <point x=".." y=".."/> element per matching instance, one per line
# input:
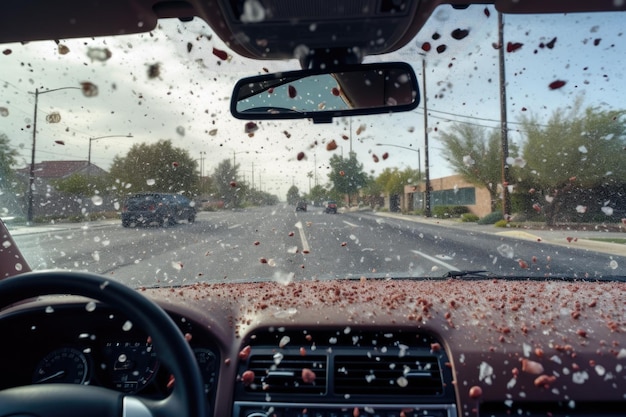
<point x="347" y="175"/>
<point x="225" y="182"/>
<point x="293" y="195"/>
<point x="392" y="180"/>
<point x="10" y="188"/>
<point x="372" y="192"/>
<point x="82" y="185"/>
<point x="8" y="160"/>
<point x="318" y="194"/>
<point x="476" y="155"/>
<point x="261" y="198"/>
<point x="156" y="167"/>
<point x="567" y="158"/>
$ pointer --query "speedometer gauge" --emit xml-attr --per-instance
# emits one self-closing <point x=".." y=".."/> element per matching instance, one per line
<point x="131" y="365"/>
<point x="65" y="365"/>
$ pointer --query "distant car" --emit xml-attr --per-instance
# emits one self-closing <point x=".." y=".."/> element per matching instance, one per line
<point x="301" y="206"/>
<point x="331" y="207"/>
<point x="159" y="208"/>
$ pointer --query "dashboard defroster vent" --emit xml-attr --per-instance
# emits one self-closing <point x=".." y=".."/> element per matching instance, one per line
<point x="388" y="375"/>
<point x="284" y="374"/>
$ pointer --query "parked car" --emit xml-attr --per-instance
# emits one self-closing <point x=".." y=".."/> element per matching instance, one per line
<point x="331" y="207"/>
<point x="301" y="206"/>
<point x="159" y="208"/>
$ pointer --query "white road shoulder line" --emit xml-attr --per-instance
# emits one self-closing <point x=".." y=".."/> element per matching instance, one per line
<point x="305" y="244"/>
<point x="438" y="261"/>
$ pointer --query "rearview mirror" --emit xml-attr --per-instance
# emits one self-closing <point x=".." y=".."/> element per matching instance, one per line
<point x="324" y="94"/>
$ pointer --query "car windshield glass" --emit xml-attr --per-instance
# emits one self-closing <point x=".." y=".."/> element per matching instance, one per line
<point x="513" y="163"/>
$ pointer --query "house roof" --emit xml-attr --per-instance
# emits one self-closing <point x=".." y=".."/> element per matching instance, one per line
<point x="61" y="169"/>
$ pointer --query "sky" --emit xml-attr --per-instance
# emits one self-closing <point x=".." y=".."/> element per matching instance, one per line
<point x="187" y="100"/>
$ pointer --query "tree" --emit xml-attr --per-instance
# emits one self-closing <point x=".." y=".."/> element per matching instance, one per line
<point x="293" y="195"/>
<point x="476" y="155"/>
<point x="261" y="198"/>
<point x="567" y="160"/>
<point x="392" y="180"/>
<point x="7" y="162"/>
<point x="156" y="167"/>
<point x="346" y="175"/>
<point x="318" y="194"/>
<point x="82" y="185"/>
<point x="225" y="182"/>
<point x="372" y="192"/>
<point x="8" y="185"/>
<point x="310" y="176"/>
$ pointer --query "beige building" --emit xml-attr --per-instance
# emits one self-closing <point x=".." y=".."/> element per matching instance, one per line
<point x="447" y="191"/>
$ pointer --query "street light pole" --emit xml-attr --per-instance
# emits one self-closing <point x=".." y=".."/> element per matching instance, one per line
<point x="31" y="173"/>
<point x="419" y="155"/>
<point x="103" y="137"/>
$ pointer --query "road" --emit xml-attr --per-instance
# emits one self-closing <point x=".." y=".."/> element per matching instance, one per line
<point x="279" y="244"/>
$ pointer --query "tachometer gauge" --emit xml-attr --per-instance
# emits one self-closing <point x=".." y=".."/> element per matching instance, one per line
<point x="64" y="365"/>
<point x="132" y="365"/>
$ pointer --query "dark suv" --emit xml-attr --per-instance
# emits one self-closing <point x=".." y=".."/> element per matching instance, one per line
<point x="301" y="206"/>
<point x="331" y="207"/>
<point x="159" y="208"/>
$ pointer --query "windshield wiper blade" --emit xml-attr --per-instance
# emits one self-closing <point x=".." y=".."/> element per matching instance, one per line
<point x="481" y="273"/>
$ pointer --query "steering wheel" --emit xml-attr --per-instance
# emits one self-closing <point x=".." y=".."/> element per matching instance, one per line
<point x="51" y="400"/>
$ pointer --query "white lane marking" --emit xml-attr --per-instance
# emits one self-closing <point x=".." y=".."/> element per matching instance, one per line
<point x="305" y="244"/>
<point x="435" y="260"/>
<point x="350" y="224"/>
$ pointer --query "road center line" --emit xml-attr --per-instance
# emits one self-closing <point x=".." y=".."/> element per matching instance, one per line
<point x="350" y="224"/>
<point x="305" y="243"/>
<point x="438" y="261"/>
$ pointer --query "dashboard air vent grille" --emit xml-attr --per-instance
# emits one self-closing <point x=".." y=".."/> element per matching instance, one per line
<point x="283" y="374"/>
<point x="388" y="375"/>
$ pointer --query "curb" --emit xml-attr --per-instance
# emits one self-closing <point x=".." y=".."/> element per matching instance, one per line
<point x="576" y="243"/>
<point x="31" y="230"/>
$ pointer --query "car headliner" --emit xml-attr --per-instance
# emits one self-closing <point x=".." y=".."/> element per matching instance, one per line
<point x="272" y="36"/>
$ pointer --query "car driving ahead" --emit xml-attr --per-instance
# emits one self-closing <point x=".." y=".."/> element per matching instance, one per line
<point x="477" y="150"/>
<point x="156" y="208"/>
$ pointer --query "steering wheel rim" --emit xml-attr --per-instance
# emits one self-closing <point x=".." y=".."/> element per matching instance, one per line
<point x="187" y="397"/>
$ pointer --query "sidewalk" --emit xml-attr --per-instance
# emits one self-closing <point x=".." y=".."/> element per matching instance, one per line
<point x="23" y="229"/>
<point x="580" y="239"/>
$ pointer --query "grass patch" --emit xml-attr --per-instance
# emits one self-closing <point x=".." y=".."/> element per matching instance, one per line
<point x="609" y="239"/>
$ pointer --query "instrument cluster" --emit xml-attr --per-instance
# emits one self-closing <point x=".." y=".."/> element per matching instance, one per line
<point x="70" y="344"/>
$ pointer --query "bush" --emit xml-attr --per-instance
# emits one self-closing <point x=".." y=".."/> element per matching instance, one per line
<point x="469" y="218"/>
<point x="383" y="210"/>
<point x="501" y="223"/>
<point x="446" y="212"/>
<point x="491" y="218"/>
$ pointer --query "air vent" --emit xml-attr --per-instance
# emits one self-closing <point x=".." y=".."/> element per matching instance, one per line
<point x="388" y="375"/>
<point x="283" y="374"/>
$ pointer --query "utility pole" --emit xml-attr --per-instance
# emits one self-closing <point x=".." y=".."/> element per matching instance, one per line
<point x="427" y="212"/>
<point x="506" y="198"/>
<point x="31" y="171"/>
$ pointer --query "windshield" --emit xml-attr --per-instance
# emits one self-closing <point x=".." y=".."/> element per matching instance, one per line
<point x="513" y="163"/>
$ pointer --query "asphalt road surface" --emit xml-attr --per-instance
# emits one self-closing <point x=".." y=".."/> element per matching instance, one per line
<point x="276" y="243"/>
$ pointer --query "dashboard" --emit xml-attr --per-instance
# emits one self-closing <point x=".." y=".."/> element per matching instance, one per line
<point x="380" y="348"/>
